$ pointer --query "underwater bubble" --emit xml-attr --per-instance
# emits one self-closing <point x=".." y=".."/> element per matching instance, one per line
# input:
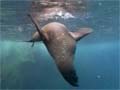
<point x="100" y="4"/>
<point x="98" y="76"/>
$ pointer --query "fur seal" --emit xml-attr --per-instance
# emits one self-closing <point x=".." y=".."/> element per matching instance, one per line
<point x="61" y="44"/>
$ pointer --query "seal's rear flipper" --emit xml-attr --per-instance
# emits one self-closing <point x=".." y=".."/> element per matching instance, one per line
<point x="80" y="33"/>
<point x="31" y="42"/>
<point x="35" y="38"/>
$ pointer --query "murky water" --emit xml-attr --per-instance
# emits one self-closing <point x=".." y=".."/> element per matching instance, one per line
<point x="96" y="57"/>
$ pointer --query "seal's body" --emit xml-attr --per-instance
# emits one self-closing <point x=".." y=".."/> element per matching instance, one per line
<point x="61" y="45"/>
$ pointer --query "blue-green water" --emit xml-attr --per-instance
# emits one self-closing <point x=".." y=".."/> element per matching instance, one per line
<point x="96" y="58"/>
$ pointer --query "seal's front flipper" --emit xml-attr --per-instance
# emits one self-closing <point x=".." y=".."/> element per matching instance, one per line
<point x="80" y="33"/>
